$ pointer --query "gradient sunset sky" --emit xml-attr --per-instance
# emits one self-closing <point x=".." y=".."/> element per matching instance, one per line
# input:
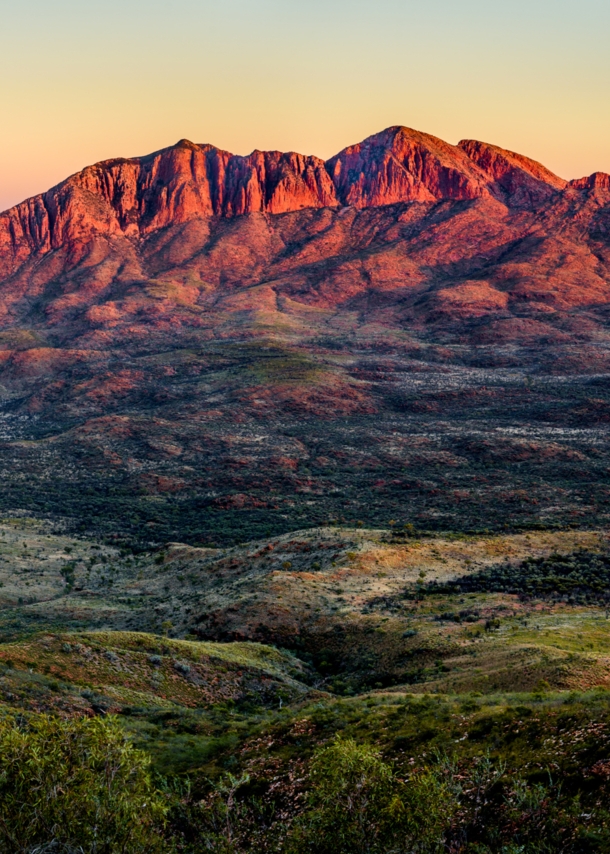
<point x="85" y="80"/>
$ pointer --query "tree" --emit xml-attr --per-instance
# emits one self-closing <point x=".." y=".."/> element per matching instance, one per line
<point x="75" y="786"/>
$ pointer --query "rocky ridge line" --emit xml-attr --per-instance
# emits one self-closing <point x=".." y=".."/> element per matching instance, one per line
<point x="136" y="197"/>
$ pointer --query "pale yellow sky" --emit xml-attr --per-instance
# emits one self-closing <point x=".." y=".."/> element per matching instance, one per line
<point x="85" y="81"/>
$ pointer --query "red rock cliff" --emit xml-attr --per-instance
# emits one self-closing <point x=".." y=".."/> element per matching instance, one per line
<point x="125" y="199"/>
<point x="134" y="197"/>
<point x="399" y="165"/>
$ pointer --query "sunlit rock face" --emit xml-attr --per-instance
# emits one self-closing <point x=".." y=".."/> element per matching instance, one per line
<point x="437" y="234"/>
<point x="167" y="321"/>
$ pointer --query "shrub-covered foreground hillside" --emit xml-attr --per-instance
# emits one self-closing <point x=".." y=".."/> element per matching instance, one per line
<point x="328" y="691"/>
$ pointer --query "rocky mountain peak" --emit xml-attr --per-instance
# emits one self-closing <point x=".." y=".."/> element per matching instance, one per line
<point x="135" y="198"/>
<point x="400" y="164"/>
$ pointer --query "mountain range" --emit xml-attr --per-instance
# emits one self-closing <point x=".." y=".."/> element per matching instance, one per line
<point x="207" y="347"/>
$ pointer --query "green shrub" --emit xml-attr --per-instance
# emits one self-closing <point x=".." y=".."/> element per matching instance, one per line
<point x="75" y="785"/>
<point x="358" y="805"/>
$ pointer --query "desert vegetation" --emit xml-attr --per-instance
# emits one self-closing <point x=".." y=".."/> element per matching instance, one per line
<point x="385" y="690"/>
<point x="383" y="782"/>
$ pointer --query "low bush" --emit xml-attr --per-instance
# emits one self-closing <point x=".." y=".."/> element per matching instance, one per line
<point x="358" y="805"/>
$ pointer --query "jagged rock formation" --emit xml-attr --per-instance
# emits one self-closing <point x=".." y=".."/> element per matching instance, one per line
<point x="136" y="197"/>
<point x="401" y="165"/>
<point x="116" y="208"/>
<point x="153" y="309"/>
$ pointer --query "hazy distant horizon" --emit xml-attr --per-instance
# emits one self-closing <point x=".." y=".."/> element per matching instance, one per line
<point x="123" y="79"/>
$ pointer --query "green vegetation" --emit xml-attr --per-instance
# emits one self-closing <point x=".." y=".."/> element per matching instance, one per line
<point x="274" y="364"/>
<point x="390" y="708"/>
<point x="75" y="786"/>
<point x="380" y="772"/>
<point x="581" y="578"/>
<point x="388" y="773"/>
<point x="359" y="467"/>
<point x="357" y="804"/>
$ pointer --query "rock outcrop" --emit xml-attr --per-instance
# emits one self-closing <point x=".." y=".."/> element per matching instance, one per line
<point x="502" y="230"/>
<point x="516" y="179"/>
<point x="136" y="197"/>
<point x="403" y="165"/>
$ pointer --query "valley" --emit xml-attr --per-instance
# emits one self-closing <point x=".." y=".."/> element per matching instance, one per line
<point x="239" y="661"/>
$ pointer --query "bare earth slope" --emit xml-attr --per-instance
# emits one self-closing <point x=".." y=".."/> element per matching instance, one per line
<point x="206" y="347"/>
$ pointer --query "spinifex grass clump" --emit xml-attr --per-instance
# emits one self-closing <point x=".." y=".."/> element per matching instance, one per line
<point x="581" y="577"/>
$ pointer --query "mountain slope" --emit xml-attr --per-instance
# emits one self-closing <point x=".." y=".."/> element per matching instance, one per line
<point x="195" y="211"/>
<point x="195" y="344"/>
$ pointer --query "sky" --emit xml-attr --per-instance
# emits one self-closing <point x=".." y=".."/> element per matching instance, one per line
<point x="86" y="80"/>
